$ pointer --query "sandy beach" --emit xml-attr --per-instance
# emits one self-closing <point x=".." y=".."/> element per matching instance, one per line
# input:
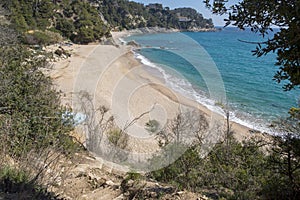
<point x="114" y="78"/>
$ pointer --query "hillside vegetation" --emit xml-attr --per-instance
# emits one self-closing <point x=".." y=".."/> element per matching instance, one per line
<point x="75" y="20"/>
<point x="88" y="21"/>
<point x="129" y="15"/>
<point x="35" y="128"/>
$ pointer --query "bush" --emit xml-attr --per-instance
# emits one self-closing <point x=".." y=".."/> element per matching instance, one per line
<point x="41" y="37"/>
<point x="66" y="27"/>
<point x="234" y="170"/>
<point x="31" y="113"/>
<point x="15" y="184"/>
<point x="152" y="126"/>
<point x="118" y="138"/>
<point x="83" y="36"/>
<point x="181" y="173"/>
<point x="12" y="180"/>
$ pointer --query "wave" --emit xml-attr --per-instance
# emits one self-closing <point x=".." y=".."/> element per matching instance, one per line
<point x="184" y="87"/>
<point x="251" y="122"/>
<point x="122" y="41"/>
<point x="148" y="63"/>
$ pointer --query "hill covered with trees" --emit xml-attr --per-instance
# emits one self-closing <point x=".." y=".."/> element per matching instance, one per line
<point x="75" y="20"/>
<point x="124" y="14"/>
<point x="85" y="21"/>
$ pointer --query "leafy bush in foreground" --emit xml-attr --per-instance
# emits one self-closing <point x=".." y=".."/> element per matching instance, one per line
<point x="240" y="170"/>
<point x="33" y="132"/>
<point x="30" y="110"/>
<point x="15" y="184"/>
<point x="234" y="170"/>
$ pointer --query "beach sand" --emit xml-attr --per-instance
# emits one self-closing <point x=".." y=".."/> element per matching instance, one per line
<point x="114" y="78"/>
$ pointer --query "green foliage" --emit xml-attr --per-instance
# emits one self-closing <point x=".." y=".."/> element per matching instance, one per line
<point x="237" y="167"/>
<point x="182" y="173"/>
<point x="76" y="20"/>
<point x="15" y="184"/>
<point x="129" y="15"/>
<point x="82" y="21"/>
<point x="114" y="136"/>
<point x="30" y="110"/>
<point x="12" y="180"/>
<point x="86" y="27"/>
<point x="84" y="36"/>
<point x="133" y="176"/>
<point x="8" y="36"/>
<point x="238" y="170"/>
<point x="152" y="126"/>
<point x="118" y="138"/>
<point x="34" y="129"/>
<point x="30" y="14"/>
<point x="235" y="170"/>
<point x="261" y="16"/>
<point x="66" y="27"/>
<point x="284" y="161"/>
<point x="41" y="38"/>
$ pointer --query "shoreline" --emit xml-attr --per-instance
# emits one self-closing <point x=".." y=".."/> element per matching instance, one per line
<point x="212" y="107"/>
<point x="118" y="36"/>
<point x="241" y="131"/>
<point x="101" y="69"/>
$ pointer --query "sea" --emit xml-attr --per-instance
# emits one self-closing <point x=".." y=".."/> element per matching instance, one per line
<point x="218" y="69"/>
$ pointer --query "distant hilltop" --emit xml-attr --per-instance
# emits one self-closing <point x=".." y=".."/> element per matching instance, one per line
<point x="85" y="21"/>
<point x="132" y="15"/>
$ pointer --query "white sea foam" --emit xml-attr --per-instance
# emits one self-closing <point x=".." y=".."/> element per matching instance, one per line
<point x="252" y="124"/>
<point x="181" y="85"/>
<point x="148" y="63"/>
<point x="122" y="41"/>
<point x="184" y="87"/>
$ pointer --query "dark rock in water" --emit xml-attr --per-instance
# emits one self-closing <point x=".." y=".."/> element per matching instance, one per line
<point x="133" y="43"/>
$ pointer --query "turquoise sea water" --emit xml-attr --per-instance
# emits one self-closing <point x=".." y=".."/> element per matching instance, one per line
<point x="184" y="60"/>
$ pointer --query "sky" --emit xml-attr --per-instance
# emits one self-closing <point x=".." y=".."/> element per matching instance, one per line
<point x="196" y="4"/>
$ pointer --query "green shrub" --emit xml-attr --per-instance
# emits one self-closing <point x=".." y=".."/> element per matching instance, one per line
<point x="66" y="27"/>
<point x="133" y="176"/>
<point x="152" y="126"/>
<point x="31" y="112"/>
<point x="118" y="138"/>
<point x="16" y="184"/>
<point x="233" y="169"/>
<point x="114" y="136"/>
<point x="12" y="180"/>
<point x="41" y="37"/>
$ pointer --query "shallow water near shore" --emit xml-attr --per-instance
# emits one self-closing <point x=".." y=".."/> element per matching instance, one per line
<point x="253" y="98"/>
